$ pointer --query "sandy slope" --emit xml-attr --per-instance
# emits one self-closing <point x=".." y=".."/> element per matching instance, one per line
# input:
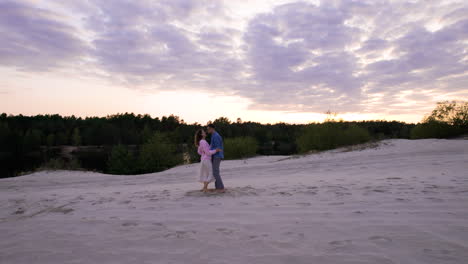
<point x="403" y="202"/>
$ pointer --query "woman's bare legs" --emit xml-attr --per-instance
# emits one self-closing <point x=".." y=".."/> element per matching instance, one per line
<point x="205" y="186"/>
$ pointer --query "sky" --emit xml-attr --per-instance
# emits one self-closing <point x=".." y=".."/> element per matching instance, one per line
<point x="259" y="60"/>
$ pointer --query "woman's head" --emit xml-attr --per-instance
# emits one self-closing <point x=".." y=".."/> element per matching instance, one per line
<point x="199" y="135"/>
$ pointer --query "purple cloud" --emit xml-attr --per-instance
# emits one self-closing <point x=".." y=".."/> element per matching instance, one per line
<point x="35" y="39"/>
<point x="346" y="56"/>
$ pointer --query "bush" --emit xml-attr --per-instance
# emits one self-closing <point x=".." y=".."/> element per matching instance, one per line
<point x="121" y="161"/>
<point x="331" y="135"/>
<point x="240" y="147"/>
<point x="448" y="119"/>
<point x="453" y="113"/>
<point x="159" y="154"/>
<point x="192" y="152"/>
<point x="435" y="129"/>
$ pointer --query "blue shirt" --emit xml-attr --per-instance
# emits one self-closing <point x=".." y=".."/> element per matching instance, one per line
<point x="217" y="143"/>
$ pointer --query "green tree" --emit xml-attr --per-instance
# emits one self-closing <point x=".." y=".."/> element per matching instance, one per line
<point x="51" y="140"/>
<point x="76" y="137"/>
<point x="158" y="154"/>
<point x="61" y="138"/>
<point x="146" y="133"/>
<point x="448" y="119"/>
<point x="240" y="147"/>
<point x="32" y="140"/>
<point x="435" y="129"/>
<point x="453" y="113"/>
<point x="121" y="161"/>
<point x="331" y="135"/>
<point x="4" y="135"/>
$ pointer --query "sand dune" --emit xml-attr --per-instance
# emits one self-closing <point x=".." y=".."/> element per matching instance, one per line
<point x="399" y="202"/>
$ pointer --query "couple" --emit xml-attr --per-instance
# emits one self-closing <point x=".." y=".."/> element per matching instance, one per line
<point x="211" y="156"/>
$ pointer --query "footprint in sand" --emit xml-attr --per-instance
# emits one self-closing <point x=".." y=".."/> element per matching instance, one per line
<point x="379" y="190"/>
<point x="180" y="234"/>
<point x="20" y="211"/>
<point x="310" y="190"/>
<point x="296" y="235"/>
<point x="428" y="192"/>
<point x="150" y="196"/>
<point x="103" y="200"/>
<point x="62" y="210"/>
<point x="434" y="199"/>
<point x="158" y="224"/>
<point x="225" y="231"/>
<point x="380" y="239"/>
<point x="283" y="193"/>
<point x="129" y="224"/>
<point x="340" y="243"/>
<point x="402" y="200"/>
<point x="441" y="254"/>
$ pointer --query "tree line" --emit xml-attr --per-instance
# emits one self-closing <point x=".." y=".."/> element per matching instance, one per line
<point x="130" y="144"/>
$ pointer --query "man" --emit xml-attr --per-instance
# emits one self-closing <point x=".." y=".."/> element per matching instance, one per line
<point x="216" y="143"/>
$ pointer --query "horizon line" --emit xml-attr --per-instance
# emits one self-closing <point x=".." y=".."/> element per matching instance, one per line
<point x="182" y="120"/>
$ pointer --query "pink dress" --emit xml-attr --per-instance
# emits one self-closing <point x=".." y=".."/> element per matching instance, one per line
<point x="206" y="169"/>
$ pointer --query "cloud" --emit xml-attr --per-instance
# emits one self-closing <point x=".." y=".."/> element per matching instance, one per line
<point x="149" y="43"/>
<point x="428" y="62"/>
<point x="347" y="56"/>
<point x="324" y="56"/>
<point x="298" y="58"/>
<point x="35" y="39"/>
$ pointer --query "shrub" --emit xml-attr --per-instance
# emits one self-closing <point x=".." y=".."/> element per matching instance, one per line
<point x="435" y="129"/>
<point x="240" y="147"/>
<point x="448" y="119"/>
<point x="331" y="135"/>
<point x="76" y="138"/>
<point x="191" y="151"/>
<point x="55" y="164"/>
<point x="158" y="154"/>
<point x="74" y="164"/>
<point x="121" y="161"/>
<point x="453" y="113"/>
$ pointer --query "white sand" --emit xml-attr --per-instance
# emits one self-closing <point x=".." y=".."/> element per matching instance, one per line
<point x="403" y="202"/>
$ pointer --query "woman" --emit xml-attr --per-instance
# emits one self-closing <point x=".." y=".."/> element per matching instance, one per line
<point x="206" y="171"/>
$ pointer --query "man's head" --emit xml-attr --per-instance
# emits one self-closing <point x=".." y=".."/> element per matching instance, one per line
<point x="211" y="129"/>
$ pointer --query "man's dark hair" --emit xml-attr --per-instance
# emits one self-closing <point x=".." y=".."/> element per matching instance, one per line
<point x="211" y="125"/>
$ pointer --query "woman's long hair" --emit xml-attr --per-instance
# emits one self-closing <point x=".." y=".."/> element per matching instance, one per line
<point x="198" y="137"/>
